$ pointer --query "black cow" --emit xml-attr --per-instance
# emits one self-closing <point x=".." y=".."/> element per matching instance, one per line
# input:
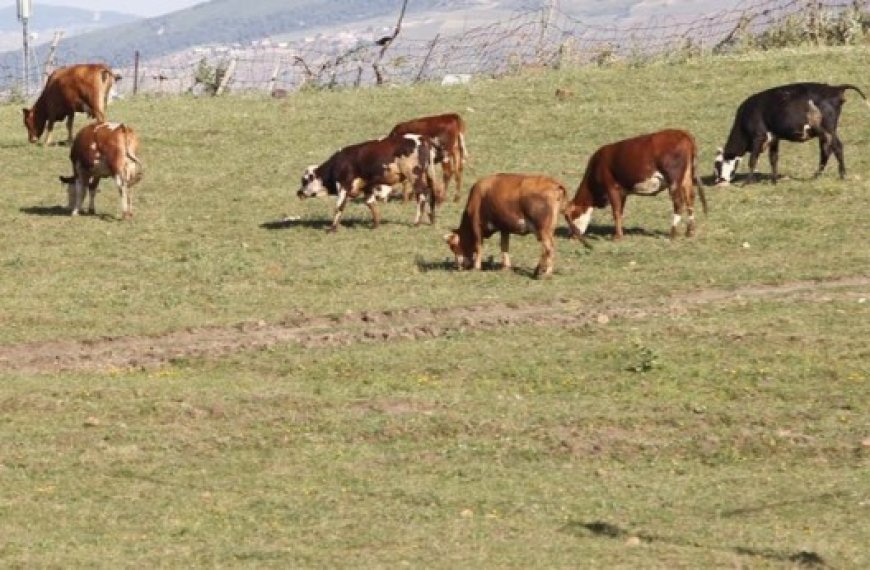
<point x="795" y="112"/>
<point x="371" y="168"/>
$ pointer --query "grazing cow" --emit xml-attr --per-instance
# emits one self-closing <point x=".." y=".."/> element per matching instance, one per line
<point x="372" y="168"/>
<point x="82" y="88"/>
<point x="643" y="165"/>
<point x="797" y="113"/>
<point x="103" y="150"/>
<point x="509" y="204"/>
<point x="448" y="132"/>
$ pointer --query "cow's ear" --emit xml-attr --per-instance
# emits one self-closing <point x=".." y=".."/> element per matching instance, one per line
<point x="25" y="110"/>
<point x="67" y="179"/>
<point x="452" y="239"/>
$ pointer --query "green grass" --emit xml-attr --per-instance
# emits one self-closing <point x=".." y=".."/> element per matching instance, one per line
<point x="729" y="435"/>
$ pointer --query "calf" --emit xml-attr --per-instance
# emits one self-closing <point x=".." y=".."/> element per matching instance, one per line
<point x="509" y="204"/>
<point x="797" y="112"/>
<point x="82" y="88"/>
<point x="643" y="165"/>
<point x="448" y="132"/>
<point x="371" y="168"/>
<point x="103" y="150"/>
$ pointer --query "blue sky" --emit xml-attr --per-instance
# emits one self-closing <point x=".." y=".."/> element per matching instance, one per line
<point x="146" y="8"/>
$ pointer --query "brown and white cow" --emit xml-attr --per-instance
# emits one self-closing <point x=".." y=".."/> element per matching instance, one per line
<point x="509" y="204"/>
<point x="448" y="132"/>
<point x="371" y="168"/>
<point x="643" y="165"/>
<point x="103" y="150"/>
<point x="82" y="88"/>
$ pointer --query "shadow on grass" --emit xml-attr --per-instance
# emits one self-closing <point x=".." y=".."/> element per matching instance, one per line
<point x="289" y="223"/>
<point x="44" y="211"/>
<point x="602" y="529"/>
<point x="489" y="264"/>
<point x="61" y="211"/>
<point x="601" y="232"/>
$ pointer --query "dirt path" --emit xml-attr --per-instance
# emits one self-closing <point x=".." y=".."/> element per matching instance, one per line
<point x="321" y="331"/>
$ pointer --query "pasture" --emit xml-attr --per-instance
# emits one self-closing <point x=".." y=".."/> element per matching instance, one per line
<point x="215" y="385"/>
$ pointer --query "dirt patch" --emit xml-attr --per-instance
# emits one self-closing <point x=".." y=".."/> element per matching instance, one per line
<point x="133" y="352"/>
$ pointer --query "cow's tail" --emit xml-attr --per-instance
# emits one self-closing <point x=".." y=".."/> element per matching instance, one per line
<point x="128" y="152"/>
<point x="426" y="163"/>
<point x="696" y="178"/>
<point x="463" y="151"/>
<point x="108" y="81"/>
<point x="847" y="86"/>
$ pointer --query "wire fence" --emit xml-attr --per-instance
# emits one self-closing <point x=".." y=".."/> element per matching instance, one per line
<point x="541" y="38"/>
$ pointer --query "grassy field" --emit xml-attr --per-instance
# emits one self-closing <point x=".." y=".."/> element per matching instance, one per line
<point x="728" y="433"/>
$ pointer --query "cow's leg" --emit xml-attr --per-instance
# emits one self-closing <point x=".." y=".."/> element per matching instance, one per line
<point x="49" y="127"/>
<point x="92" y="193"/>
<point x="126" y="202"/>
<point x="69" y="129"/>
<point x="773" y="154"/>
<point x="80" y="185"/>
<point x="457" y="172"/>
<point x="340" y="203"/>
<point x="545" y="264"/>
<point x="71" y="196"/>
<point x="676" y="193"/>
<point x="421" y="207"/>
<point x="758" y="145"/>
<point x="837" y="147"/>
<point x="505" y="248"/>
<point x="372" y="203"/>
<point x="688" y="192"/>
<point x="617" y="206"/>
<point x="478" y="252"/>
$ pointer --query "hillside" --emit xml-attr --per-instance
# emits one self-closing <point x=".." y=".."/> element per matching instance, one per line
<point x="241" y="21"/>
<point x="46" y="19"/>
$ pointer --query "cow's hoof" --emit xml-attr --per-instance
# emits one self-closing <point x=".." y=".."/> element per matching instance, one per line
<point x="331" y="229"/>
<point x="74" y="213"/>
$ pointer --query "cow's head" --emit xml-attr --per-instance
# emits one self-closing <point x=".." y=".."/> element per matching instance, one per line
<point x="724" y="167"/>
<point x="463" y="252"/>
<point x="34" y="131"/>
<point x="312" y="184"/>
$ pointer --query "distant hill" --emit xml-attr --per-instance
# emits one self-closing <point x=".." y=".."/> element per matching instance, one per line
<point x="53" y="17"/>
<point x="243" y="21"/>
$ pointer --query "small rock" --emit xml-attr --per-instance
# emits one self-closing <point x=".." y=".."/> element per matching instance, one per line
<point x="91" y="421"/>
<point x="633" y="541"/>
<point x="602" y="319"/>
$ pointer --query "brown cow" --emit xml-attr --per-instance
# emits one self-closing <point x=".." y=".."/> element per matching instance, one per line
<point x="82" y="88"/>
<point x="643" y="165"/>
<point x="103" y="150"/>
<point x="448" y="132"/>
<point x="373" y="167"/>
<point x="509" y="204"/>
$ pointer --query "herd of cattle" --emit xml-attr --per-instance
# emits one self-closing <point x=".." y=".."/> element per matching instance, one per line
<point x="503" y="203"/>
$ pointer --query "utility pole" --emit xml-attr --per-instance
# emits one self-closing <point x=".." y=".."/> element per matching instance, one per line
<point x="25" y="10"/>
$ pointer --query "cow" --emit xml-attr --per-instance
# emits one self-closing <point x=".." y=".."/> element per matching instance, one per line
<point x="448" y="132"/>
<point x="509" y="204"/>
<point x="644" y="165"/>
<point x="103" y="150"/>
<point x="82" y="88"/>
<point x="797" y="112"/>
<point x="371" y="168"/>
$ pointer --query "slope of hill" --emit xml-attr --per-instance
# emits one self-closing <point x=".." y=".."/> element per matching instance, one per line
<point x="46" y="19"/>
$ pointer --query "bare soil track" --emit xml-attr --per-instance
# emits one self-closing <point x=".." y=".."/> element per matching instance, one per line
<point x="135" y="352"/>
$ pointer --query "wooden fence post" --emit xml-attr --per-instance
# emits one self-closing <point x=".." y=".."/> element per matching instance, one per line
<point x="274" y="80"/>
<point x="136" y="72"/>
<point x="49" y="60"/>
<point x="231" y="68"/>
<point x="426" y="59"/>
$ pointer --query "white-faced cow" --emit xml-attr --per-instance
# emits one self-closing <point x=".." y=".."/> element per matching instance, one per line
<point x="370" y="169"/>
<point x="797" y="112"/>
<point x="448" y="132"/>
<point x="103" y="150"/>
<point x="82" y="88"/>
<point x="643" y="165"/>
<point x="509" y="204"/>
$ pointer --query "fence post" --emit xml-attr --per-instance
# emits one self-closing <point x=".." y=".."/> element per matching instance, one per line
<point x="274" y="80"/>
<point x="231" y="68"/>
<point x="426" y="59"/>
<point x="136" y="72"/>
<point x="49" y="60"/>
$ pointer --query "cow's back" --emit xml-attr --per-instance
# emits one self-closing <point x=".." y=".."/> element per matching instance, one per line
<point x="77" y="88"/>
